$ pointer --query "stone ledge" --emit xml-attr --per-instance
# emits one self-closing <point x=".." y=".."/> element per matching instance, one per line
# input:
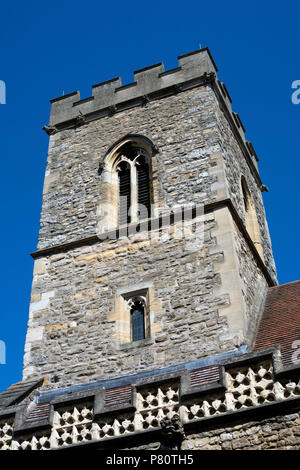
<point x="158" y="223"/>
<point x="80" y="391"/>
<point x="9" y="412"/>
<point x="135" y="345"/>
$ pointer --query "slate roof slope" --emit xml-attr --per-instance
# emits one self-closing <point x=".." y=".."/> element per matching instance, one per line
<point x="17" y="392"/>
<point x="280" y="322"/>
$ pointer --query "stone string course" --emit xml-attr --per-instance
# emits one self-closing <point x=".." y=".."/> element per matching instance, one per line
<point x="76" y="324"/>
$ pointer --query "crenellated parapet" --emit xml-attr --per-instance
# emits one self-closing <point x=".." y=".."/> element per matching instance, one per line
<point x="149" y="83"/>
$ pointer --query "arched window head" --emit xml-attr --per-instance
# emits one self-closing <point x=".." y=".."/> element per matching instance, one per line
<point x="252" y="225"/>
<point x="126" y="191"/>
<point x="137" y="318"/>
<point x="132" y="165"/>
<point x="133" y="315"/>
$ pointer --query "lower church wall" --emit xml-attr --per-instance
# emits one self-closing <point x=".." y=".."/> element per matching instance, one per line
<point x="248" y="402"/>
<point x="277" y="433"/>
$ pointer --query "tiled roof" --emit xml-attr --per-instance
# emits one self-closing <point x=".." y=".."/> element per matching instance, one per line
<point x="280" y="322"/>
<point x="38" y="412"/>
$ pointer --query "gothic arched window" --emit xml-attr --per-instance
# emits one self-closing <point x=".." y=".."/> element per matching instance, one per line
<point x="134" y="184"/>
<point x="124" y="193"/>
<point x="126" y="184"/>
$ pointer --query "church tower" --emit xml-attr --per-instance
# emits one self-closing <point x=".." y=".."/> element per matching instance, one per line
<point x="153" y="247"/>
<point x="153" y="267"/>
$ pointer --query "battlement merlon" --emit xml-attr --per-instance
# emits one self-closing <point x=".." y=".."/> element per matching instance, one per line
<point x="152" y="82"/>
<point x="149" y="80"/>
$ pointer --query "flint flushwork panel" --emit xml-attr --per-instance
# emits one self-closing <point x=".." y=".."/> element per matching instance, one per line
<point x="246" y="387"/>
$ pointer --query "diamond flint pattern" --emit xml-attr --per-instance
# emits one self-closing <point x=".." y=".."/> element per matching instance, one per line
<point x="246" y="386"/>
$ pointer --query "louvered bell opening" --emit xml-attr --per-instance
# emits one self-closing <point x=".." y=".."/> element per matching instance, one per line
<point x="143" y="191"/>
<point x="124" y="195"/>
<point x="137" y="323"/>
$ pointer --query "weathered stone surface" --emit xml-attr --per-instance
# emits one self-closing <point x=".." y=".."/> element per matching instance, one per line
<point x="206" y="290"/>
<point x="251" y="435"/>
<point x="79" y="326"/>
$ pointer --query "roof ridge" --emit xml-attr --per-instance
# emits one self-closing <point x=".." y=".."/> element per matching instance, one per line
<point x="285" y="284"/>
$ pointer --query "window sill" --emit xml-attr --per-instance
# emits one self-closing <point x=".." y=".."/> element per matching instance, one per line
<point x="135" y="344"/>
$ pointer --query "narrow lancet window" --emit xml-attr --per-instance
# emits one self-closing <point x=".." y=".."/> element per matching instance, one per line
<point x="143" y="188"/>
<point x="137" y="321"/>
<point x="124" y="193"/>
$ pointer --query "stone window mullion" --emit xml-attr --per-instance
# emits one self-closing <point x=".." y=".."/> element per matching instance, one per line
<point x="133" y="194"/>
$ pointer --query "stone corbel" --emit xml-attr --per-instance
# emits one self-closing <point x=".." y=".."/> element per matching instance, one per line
<point x="264" y="188"/>
<point x="101" y="168"/>
<point x="50" y="130"/>
<point x="146" y="100"/>
<point x="112" y="110"/>
<point x="80" y="119"/>
<point x="155" y="149"/>
<point x="209" y="77"/>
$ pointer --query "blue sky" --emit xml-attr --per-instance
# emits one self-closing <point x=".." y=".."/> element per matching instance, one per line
<point x="57" y="47"/>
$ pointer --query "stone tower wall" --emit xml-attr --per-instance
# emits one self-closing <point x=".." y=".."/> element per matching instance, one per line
<point x="201" y="291"/>
<point x="76" y="314"/>
<point x="181" y="168"/>
<point x="235" y="166"/>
